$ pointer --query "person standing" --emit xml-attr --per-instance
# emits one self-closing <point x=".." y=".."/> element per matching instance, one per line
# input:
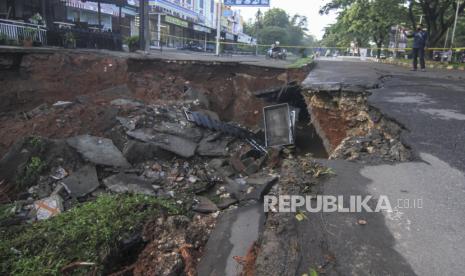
<point x="419" y="43"/>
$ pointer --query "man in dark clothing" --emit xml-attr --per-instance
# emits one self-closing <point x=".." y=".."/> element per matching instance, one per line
<point x="419" y="43"/>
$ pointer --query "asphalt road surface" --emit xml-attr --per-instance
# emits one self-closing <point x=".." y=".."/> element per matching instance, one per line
<point x="409" y="241"/>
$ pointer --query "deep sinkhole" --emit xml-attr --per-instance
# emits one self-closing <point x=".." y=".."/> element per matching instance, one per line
<point x="307" y="141"/>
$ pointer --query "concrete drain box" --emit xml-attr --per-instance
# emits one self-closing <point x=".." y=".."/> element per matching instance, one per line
<point x="279" y="123"/>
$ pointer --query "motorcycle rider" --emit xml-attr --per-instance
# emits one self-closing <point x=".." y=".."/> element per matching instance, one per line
<point x="276" y="50"/>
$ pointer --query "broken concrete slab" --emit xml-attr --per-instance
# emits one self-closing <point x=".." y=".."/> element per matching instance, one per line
<point x="205" y="205"/>
<point x="137" y="152"/>
<point x="180" y="146"/>
<point x="216" y="148"/>
<point x="226" y="202"/>
<point x="235" y="188"/>
<point x="235" y="232"/>
<point x="261" y="190"/>
<point x="194" y="134"/>
<point x="129" y="183"/>
<point x="98" y="150"/>
<point x="128" y="123"/>
<point x="82" y="182"/>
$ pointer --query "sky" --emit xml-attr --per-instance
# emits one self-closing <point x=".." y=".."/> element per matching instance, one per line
<point x="309" y="8"/>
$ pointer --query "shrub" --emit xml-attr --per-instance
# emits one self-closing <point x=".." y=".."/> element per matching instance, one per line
<point x="133" y="43"/>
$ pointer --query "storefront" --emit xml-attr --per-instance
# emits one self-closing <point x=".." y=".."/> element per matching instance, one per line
<point x="176" y="32"/>
<point x="87" y="12"/>
<point x="201" y="34"/>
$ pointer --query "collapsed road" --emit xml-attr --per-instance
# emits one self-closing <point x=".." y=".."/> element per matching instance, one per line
<point x="86" y="131"/>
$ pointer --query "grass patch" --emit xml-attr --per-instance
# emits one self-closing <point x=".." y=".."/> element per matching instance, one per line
<point x="6" y="211"/>
<point x="301" y="62"/>
<point x="86" y="233"/>
<point x="31" y="172"/>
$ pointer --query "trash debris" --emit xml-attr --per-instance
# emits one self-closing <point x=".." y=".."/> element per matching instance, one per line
<point x="59" y="173"/>
<point x="229" y="129"/>
<point x="48" y="207"/>
<point x="62" y="104"/>
<point x="279" y="124"/>
<point x="361" y="222"/>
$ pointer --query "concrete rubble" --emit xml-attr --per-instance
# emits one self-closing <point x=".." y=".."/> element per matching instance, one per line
<point x="210" y="169"/>
<point x="98" y="150"/>
<point x="82" y="182"/>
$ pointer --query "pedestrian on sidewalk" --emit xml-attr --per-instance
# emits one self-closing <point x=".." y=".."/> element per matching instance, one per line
<point x="419" y="43"/>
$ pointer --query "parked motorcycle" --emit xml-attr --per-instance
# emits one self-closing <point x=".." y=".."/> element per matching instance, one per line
<point x="276" y="53"/>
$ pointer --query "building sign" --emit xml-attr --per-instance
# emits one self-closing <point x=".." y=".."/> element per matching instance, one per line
<point x="91" y="6"/>
<point x="248" y="3"/>
<point x="201" y="28"/>
<point x="176" y="21"/>
<point x="243" y="38"/>
<point x="229" y="36"/>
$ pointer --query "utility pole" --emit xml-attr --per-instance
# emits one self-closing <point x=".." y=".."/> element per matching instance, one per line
<point x="447" y="38"/>
<point x="218" y="27"/>
<point x="396" y="41"/>
<point x="141" y="25"/>
<point x="455" y="23"/>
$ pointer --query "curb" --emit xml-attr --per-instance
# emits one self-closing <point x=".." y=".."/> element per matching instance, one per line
<point x="431" y="66"/>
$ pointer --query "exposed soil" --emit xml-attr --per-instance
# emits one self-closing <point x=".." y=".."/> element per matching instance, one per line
<point x="349" y="129"/>
<point x="31" y="83"/>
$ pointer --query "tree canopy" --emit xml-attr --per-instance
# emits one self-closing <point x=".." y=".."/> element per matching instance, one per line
<point x="369" y="20"/>
<point x="277" y="25"/>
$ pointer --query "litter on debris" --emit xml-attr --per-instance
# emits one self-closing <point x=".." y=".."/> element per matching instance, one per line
<point x="279" y="124"/>
<point x="48" y="207"/>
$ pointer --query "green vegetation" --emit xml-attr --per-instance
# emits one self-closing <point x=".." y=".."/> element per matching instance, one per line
<point x="133" y="43"/>
<point x="301" y="62"/>
<point x="35" y="142"/>
<point x="31" y="172"/>
<point x="85" y="233"/>
<point x="364" y="21"/>
<point x="277" y="25"/>
<point x="6" y="211"/>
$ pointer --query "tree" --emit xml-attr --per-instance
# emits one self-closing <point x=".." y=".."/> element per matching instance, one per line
<point x="438" y="15"/>
<point x="366" y="20"/>
<point x="276" y="17"/>
<point x="270" y="34"/>
<point x="277" y="25"/>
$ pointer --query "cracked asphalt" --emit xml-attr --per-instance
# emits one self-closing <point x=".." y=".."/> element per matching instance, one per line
<point x="411" y="240"/>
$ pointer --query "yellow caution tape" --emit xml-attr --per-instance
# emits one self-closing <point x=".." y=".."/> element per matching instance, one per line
<point x="457" y="49"/>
